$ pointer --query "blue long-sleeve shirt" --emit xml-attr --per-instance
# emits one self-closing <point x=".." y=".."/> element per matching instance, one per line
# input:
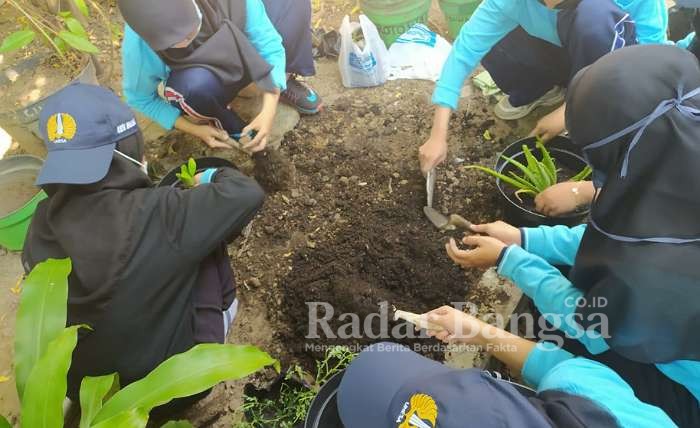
<point x="144" y="70"/>
<point x="531" y="268"/>
<point x="494" y="19"/>
<point x="550" y="368"/>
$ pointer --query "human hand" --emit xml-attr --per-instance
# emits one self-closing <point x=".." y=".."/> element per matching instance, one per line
<point x="564" y="198"/>
<point x="432" y="153"/>
<point x="261" y="126"/>
<point x="456" y="325"/>
<point x="485" y="255"/>
<point x="550" y="125"/>
<point x="211" y="136"/>
<point x="500" y="230"/>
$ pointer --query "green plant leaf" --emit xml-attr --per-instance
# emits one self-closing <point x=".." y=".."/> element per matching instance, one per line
<point x="187" y="374"/>
<point x="17" y="40"/>
<point x="41" y="315"/>
<point x="526" y="172"/>
<point x="82" y="7"/>
<point x="93" y="392"/>
<point x="522" y="181"/>
<point x="134" y="418"/>
<point x="524" y="192"/>
<point x="42" y="403"/>
<point x="60" y="44"/>
<point x="545" y="176"/>
<point x="583" y="175"/>
<point x="192" y="167"/>
<point x="75" y="27"/>
<point x="548" y="161"/>
<point x="4" y="423"/>
<point x="78" y="42"/>
<point x="498" y="175"/>
<point x="65" y="14"/>
<point x="533" y="165"/>
<point x="178" y="424"/>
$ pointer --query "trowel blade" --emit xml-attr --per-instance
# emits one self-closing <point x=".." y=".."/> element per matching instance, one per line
<point x="435" y="217"/>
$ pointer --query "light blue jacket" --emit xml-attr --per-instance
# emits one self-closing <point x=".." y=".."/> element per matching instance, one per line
<point x="494" y="19"/>
<point x="144" y="70"/>
<point x="531" y="268"/>
<point x="550" y="368"/>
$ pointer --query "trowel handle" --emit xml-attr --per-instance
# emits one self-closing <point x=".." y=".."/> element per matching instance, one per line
<point x="460" y="222"/>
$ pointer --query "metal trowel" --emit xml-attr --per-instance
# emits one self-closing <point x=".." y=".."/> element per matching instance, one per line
<point x="453" y="222"/>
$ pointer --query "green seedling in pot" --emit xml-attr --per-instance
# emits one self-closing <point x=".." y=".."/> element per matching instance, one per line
<point x="187" y="173"/>
<point x="536" y="176"/>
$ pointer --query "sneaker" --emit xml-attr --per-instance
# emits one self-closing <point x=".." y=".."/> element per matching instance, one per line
<point x="504" y="110"/>
<point x="301" y="97"/>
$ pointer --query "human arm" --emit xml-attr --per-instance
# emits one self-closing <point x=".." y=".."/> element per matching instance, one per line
<point x="557" y="245"/>
<point x="487" y="26"/>
<point x="547" y="367"/>
<point x="650" y="19"/>
<point x="143" y="71"/>
<point x="554" y="295"/>
<point x="196" y="220"/>
<point x="267" y="41"/>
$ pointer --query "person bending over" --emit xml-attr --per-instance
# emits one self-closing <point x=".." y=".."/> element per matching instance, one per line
<point x="204" y="52"/>
<point x="635" y="113"/>
<point x="388" y="385"/>
<point x="533" y="48"/>
<point x="151" y="275"/>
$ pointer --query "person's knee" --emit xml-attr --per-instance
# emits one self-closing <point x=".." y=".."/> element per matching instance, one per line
<point x="594" y="23"/>
<point x="195" y="82"/>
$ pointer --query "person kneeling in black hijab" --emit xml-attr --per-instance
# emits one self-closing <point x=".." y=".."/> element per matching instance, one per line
<point x="151" y="275"/>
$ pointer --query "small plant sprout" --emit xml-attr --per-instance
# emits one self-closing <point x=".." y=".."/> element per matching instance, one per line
<point x="187" y="173"/>
<point x="536" y="176"/>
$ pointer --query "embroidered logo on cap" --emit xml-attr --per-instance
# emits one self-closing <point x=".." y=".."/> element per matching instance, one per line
<point x="61" y="128"/>
<point x="419" y="412"/>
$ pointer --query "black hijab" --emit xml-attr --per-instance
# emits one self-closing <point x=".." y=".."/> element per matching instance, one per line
<point x="220" y="46"/>
<point x="635" y="113"/>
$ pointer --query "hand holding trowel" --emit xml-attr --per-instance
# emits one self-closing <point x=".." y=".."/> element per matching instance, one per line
<point x="453" y="222"/>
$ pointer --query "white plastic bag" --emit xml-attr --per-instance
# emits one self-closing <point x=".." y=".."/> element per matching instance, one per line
<point x="363" y="63"/>
<point x="418" y="54"/>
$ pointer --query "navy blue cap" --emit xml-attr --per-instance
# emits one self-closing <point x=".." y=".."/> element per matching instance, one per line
<point x="81" y="126"/>
<point x="388" y="385"/>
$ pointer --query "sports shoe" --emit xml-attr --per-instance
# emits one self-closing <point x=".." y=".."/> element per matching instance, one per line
<point x="301" y="97"/>
<point x="504" y="110"/>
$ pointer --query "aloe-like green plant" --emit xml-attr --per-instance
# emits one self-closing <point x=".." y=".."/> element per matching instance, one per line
<point x="43" y="350"/>
<point x="292" y="405"/>
<point x="62" y="32"/>
<point x="187" y="173"/>
<point x="536" y="176"/>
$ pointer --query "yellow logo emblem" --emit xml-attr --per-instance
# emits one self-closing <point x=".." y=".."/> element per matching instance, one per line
<point x="61" y="128"/>
<point x="420" y="412"/>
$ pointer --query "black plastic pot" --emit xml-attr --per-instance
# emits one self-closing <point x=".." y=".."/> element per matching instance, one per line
<point x="323" y="412"/>
<point x="203" y="164"/>
<point x="566" y="155"/>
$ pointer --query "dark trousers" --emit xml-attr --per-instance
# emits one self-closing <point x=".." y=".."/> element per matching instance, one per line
<point x="215" y="292"/>
<point x="526" y="67"/>
<point x="199" y="94"/>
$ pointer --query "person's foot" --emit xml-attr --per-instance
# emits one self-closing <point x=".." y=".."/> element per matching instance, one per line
<point x="504" y="110"/>
<point x="301" y="97"/>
